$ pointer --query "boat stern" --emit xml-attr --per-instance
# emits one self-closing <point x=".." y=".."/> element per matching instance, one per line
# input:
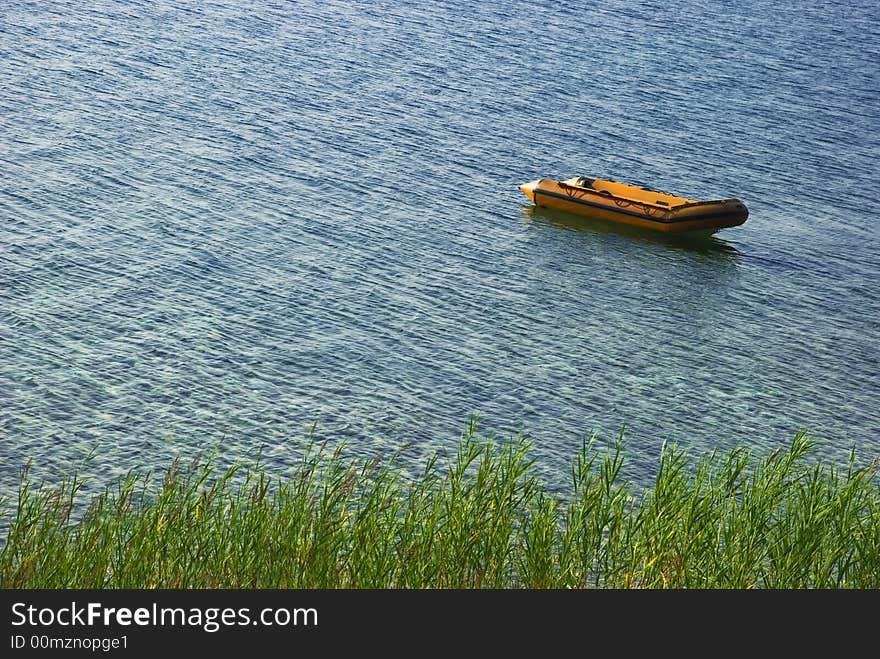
<point x="528" y="189"/>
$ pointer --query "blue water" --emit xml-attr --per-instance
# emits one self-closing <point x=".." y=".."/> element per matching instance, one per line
<point x="225" y="223"/>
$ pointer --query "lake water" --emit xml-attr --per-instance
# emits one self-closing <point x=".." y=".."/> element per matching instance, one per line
<point x="224" y="223"/>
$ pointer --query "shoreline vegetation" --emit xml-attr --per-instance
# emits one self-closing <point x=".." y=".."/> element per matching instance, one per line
<point x="477" y="519"/>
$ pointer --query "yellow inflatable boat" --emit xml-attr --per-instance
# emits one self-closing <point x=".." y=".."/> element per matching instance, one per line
<point x="629" y="204"/>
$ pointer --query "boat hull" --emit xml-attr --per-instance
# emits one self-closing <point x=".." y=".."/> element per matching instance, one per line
<point x="616" y="202"/>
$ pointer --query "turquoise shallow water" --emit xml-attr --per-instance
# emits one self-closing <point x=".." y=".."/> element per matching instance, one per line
<point x="224" y="222"/>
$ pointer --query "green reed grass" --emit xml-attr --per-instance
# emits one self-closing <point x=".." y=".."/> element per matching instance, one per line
<point x="481" y="519"/>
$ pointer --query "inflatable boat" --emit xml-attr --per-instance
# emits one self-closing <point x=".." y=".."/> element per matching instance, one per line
<point x="629" y="204"/>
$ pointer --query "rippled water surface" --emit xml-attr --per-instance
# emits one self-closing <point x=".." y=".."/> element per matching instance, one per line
<point x="223" y="222"/>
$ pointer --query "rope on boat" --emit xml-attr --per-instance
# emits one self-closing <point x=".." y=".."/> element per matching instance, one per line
<point x="647" y="209"/>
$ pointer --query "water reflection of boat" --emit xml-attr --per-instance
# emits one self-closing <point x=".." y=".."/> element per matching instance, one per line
<point x="703" y="243"/>
<point x="631" y="205"/>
